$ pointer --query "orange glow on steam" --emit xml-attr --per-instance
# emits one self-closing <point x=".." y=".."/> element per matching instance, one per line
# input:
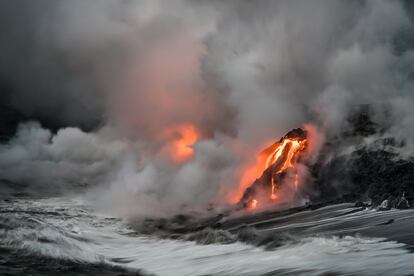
<point x="181" y="141"/>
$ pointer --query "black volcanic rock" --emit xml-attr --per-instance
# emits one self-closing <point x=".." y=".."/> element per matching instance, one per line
<point x="365" y="172"/>
<point x="351" y="169"/>
<point x="361" y="164"/>
<point x="264" y="182"/>
<point x="360" y="122"/>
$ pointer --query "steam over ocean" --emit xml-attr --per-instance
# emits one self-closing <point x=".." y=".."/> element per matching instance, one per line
<point x="131" y="134"/>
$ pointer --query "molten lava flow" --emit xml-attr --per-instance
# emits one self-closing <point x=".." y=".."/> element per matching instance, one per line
<point x="292" y="146"/>
<point x="275" y="165"/>
<point x="253" y="204"/>
<point x="181" y="139"/>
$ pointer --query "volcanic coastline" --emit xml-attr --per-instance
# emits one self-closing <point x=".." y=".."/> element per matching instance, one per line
<point x="373" y="195"/>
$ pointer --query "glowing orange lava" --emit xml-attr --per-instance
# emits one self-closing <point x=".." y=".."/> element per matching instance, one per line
<point x="292" y="146"/>
<point x="253" y="204"/>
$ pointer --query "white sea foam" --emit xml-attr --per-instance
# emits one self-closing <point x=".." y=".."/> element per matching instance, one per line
<point x="79" y="234"/>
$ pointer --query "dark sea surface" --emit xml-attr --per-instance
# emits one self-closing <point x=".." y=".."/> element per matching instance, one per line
<point x="67" y="237"/>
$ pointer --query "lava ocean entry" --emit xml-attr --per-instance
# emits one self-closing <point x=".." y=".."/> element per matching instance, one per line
<point x="191" y="138"/>
<point x="279" y="163"/>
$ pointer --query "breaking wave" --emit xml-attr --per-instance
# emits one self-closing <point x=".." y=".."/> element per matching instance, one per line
<point x="68" y="230"/>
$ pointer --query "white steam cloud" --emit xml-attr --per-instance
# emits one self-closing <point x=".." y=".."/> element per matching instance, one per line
<point x="242" y="73"/>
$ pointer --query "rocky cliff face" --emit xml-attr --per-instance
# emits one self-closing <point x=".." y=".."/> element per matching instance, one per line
<point x="362" y="164"/>
<point x="279" y="165"/>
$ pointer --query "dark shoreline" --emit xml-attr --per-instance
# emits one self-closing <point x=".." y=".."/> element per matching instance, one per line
<point x="274" y="228"/>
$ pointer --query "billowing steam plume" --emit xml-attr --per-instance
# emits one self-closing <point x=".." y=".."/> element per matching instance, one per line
<point x="159" y="106"/>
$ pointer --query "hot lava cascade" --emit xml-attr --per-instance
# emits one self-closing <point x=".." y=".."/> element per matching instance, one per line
<point x="279" y="163"/>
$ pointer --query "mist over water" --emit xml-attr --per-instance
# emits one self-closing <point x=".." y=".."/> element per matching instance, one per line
<point x="117" y="82"/>
<point x="130" y="130"/>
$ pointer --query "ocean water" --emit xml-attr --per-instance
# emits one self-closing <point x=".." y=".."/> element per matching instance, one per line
<point x="66" y="236"/>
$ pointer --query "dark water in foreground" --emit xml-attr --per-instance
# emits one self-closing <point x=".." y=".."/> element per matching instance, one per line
<point x="17" y="262"/>
<point x="66" y="237"/>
